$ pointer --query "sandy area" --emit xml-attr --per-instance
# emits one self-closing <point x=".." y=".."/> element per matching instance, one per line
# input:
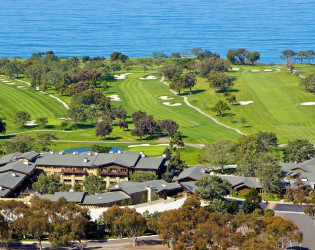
<point x="5" y="81"/>
<point x="245" y="102"/>
<point x="30" y="123"/>
<point x="171" y="105"/>
<point x="268" y="70"/>
<point x="122" y="76"/>
<point x="115" y="98"/>
<point x="256" y="70"/>
<point x="20" y="87"/>
<point x="147" y="78"/>
<point x="165" y="98"/>
<point x="10" y="83"/>
<point x="307" y="103"/>
<point x="235" y="69"/>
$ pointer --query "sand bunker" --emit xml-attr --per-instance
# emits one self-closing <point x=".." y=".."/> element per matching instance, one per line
<point x="147" y="78"/>
<point x="20" y="87"/>
<point x="115" y="98"/>
<point x="245" y="102"/>
<point x="307" y="103"/>
<point x="30" y="123"/>
<point x="165" y="98"/>
<point x="171" y="105"/>
<point x="5" y="81"/>
<point x="122" y="76"/>
<point x="235" y="69"/>
<point x="256" y="70"/>
<point x="268" y="70"/>
<point x="10" y="83"/>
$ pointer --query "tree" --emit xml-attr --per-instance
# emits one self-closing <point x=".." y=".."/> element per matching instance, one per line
<point x="121" y="113"/>
<point x="211" y="187"/>
<point x="188" y="80"/>
<point x="208" y="65"/>
<point x="219" y="80"/>
<point x="243" y="121"/>
<point x="301" y="55"/>
<point x="76" y="113"/>
<point x="99" y="148"/>
<point x="309" y="83"/>
<point x="64" y="125"/>
<point x="103" y="128"/>
<point x="168" y="126"/>
<point x="3" y="126"/>
<point x="42" y="121"/>
<point x="171" y="70"/>
<point x="45" y="140"/>
<point x="37" y="225"/>
<point x="252" y="201"/>
<point x="176" y="141"/>
<point x="218" y="154"/>
<point x="220" y="107"/>
<point x="195" y="51"/>
<point x="142" y="176"/>
<point x="21" y="117"/>
<point x="145" y="124"/>
<point x="19" y="143"/>
<point x="47" y="184"/>
<point x="288" y="56"/>
<point x="299" y="150"/>
<point x="253" y="57"/>
<point x="123" y="124"/>
<point x="310" y="54"/>
<point x="270" y="178"/>
<point x="175" y="55"/>
<point x="94" y="184"/>
<point x="175" y="166"/>
<point x="177" y="84"/>
<point x="118" y="56"/>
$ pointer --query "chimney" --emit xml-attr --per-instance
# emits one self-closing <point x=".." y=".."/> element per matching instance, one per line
<point x="164" y="156"/>
<point x="143" y="155"/>
<point x="62" y="152"/>
<point x="86" y="159"/>
<point x="119" y="151"/>
<point x="141" y="152"/>
<point x="89" y="153"/>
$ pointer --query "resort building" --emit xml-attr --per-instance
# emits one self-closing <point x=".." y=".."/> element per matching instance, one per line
<point x="113" y="167"/>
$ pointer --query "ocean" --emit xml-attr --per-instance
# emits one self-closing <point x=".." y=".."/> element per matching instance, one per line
<point x="139" y="27"/>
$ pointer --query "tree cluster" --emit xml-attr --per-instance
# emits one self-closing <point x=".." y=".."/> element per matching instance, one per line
<point x="238" y="56"/>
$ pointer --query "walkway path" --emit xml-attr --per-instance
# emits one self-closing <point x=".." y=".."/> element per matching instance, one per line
<point x="52" y="96"/>
<point x="200" y="111"/>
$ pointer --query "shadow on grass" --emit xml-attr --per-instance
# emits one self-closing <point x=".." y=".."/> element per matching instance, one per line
<point x="226" y="114"/>
<point x="5" y="137"/>
<point x="112" y="138"/>
<point x="227" y="90"/>
<point x="196" y="91"/>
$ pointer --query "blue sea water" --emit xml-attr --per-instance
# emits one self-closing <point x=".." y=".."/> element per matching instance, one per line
<point x="139" y="27"/>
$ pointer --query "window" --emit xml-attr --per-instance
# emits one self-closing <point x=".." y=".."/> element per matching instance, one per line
<point x="113" y="170"/>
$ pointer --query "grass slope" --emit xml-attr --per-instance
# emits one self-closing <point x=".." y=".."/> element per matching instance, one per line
<point x="144" y="95"/>
<point x="13" y="99"/>
<point x="276" y="97"/>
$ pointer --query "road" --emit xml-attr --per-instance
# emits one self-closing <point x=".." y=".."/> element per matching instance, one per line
<point x="145" y="242"/>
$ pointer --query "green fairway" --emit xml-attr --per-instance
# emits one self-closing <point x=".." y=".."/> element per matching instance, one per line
<point x="277" y="97"/>
<point x="14" y="99"/>
<point x="144" y="95"/>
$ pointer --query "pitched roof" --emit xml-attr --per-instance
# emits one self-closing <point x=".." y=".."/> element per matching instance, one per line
<point x="76" y="197"/>
<point x="28" y="155"/>
<point x="250" y="182"/>
<point x="9" y="158"/>
<point x="190" y="186"/>
<point x="105" y="198"/>
<point x="193" y="172"/>
<point x="4" y="192"/>
<point x="18" y="166"/>
<point x="65" y="160"/>
<point x="306" y="166"/>
<point x="11" y="179"/>
<point x="150" y="163"/>
<point x="136" y="187"/>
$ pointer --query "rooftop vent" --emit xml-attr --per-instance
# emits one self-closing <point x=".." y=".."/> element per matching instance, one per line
<point x="89" y="153"/>
<point x="117" y="186"/>
<point x="111" y="151"/>
<point x="141" y="152"/>
<point x="71" y="190"/>
<point x="100" y="197"/>
<point x="75" y="152"/>
<point x="62" y="152"/>
<point x="86" y="159"/>
<point x="143" y="155"/>
<point x="164" y="156"/>
<point x="119" y="151"/>
<point x="163" y="185"/>
<point x="26" y="162"/>
<point x="14" y="174"/>
<point x="51" y="152"/>
<point x="96" y="153"/>
<point x="1" y="188"/>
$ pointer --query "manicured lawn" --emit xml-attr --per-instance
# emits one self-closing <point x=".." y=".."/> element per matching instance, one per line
<point x="144" y="95"/>
<point x="13" y="99"/>
<point x="276" y="97"/>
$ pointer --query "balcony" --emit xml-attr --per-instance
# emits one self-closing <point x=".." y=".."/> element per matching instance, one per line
<point x="73" y="172"/>
<point x="114" y="174"/>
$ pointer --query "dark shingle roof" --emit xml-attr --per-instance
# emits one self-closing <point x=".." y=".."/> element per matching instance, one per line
<point x="76" y="197"/>
<point x="28" y="156"/>
<point x="250" y="182"/>
<point x="9" y="158"/>
<point x="307" y="166"/>
<point x="150" y="163"/>
<point x="193" y="172"/>
<point x="11" y="179"/>
<point x="189" y="185"/>
<point x="18" y="166"/>
<point x="4" y="192"/>
<point x="136" y="187"/>
<point x="65" y="160"/>
<point x="105" y="198"/>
